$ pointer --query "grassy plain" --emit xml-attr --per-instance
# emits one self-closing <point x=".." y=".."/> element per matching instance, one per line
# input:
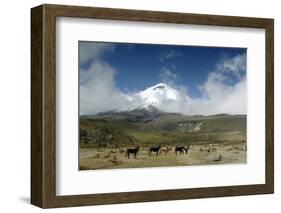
<point x="105" y="158"/>
<point x="216" y="139"/>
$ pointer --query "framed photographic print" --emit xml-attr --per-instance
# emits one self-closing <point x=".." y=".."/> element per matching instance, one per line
<point x="136" y="106"/>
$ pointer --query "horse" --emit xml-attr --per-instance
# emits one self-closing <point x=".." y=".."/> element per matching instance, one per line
<point x="165" y="149"/>
<point x="179" y="149"/>
<point x="133" y="151"/>
<point x="186" y="148"/>
<point x="154" y="149"/>
<point x="182" y="149"/>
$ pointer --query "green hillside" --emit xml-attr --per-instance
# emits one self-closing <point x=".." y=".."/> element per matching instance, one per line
<point x="143" y="127"/>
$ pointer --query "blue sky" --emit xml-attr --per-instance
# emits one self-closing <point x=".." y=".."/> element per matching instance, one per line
<point x="139" y="66"/>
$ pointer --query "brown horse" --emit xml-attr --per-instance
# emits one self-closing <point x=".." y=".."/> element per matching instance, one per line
<point x="133" y="151"/>
<point x="165" y="149"/>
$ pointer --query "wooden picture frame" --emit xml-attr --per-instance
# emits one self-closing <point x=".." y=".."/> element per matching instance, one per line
<point x="43" y="105"/>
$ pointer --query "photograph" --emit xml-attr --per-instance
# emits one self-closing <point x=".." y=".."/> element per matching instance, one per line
<point x="140" y="105"/>
<point x="158" y="105"/>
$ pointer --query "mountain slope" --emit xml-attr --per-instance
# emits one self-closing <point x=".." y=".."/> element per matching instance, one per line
<point x="156" y="95"/>
<point x="141" y="126"/>
<point x="159" y="97"/>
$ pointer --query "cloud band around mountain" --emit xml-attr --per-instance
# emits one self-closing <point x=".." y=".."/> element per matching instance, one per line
<point x="99" y="93"/>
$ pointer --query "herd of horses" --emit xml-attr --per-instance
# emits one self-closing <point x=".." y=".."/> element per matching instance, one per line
<point x="157" y="150"/>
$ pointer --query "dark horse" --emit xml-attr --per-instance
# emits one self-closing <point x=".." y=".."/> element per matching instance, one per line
<point x="182" y="149"/>
<point x="132" y="151"/>
<point x="186" y="148"/>
<point x="154" y="149"/>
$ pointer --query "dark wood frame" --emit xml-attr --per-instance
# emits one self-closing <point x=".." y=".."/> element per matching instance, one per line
<point x="43" y="105"/>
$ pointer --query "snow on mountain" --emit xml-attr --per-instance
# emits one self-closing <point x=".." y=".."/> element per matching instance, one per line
<point x="161" y="97"/>
<point x="156" y="95"/>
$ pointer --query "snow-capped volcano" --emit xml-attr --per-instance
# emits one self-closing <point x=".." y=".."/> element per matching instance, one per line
<point x="161" y="97"/>
<point x="156" y="95"/>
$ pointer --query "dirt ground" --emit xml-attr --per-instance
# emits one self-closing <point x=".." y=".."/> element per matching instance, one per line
<point x="105" y="158"/>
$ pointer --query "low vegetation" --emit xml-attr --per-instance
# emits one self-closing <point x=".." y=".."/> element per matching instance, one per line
<point x="104" y="139"/>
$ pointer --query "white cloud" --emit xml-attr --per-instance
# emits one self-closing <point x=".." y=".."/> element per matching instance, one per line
<point x="221" y="98"/>
<point x="235" y="65"/>
<point x="98" y="92"/>
<point x="168" y="54"/>
<point x="167" y="75"/>
<point x="89" y="51"/>
<point x="218" y="95"/>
